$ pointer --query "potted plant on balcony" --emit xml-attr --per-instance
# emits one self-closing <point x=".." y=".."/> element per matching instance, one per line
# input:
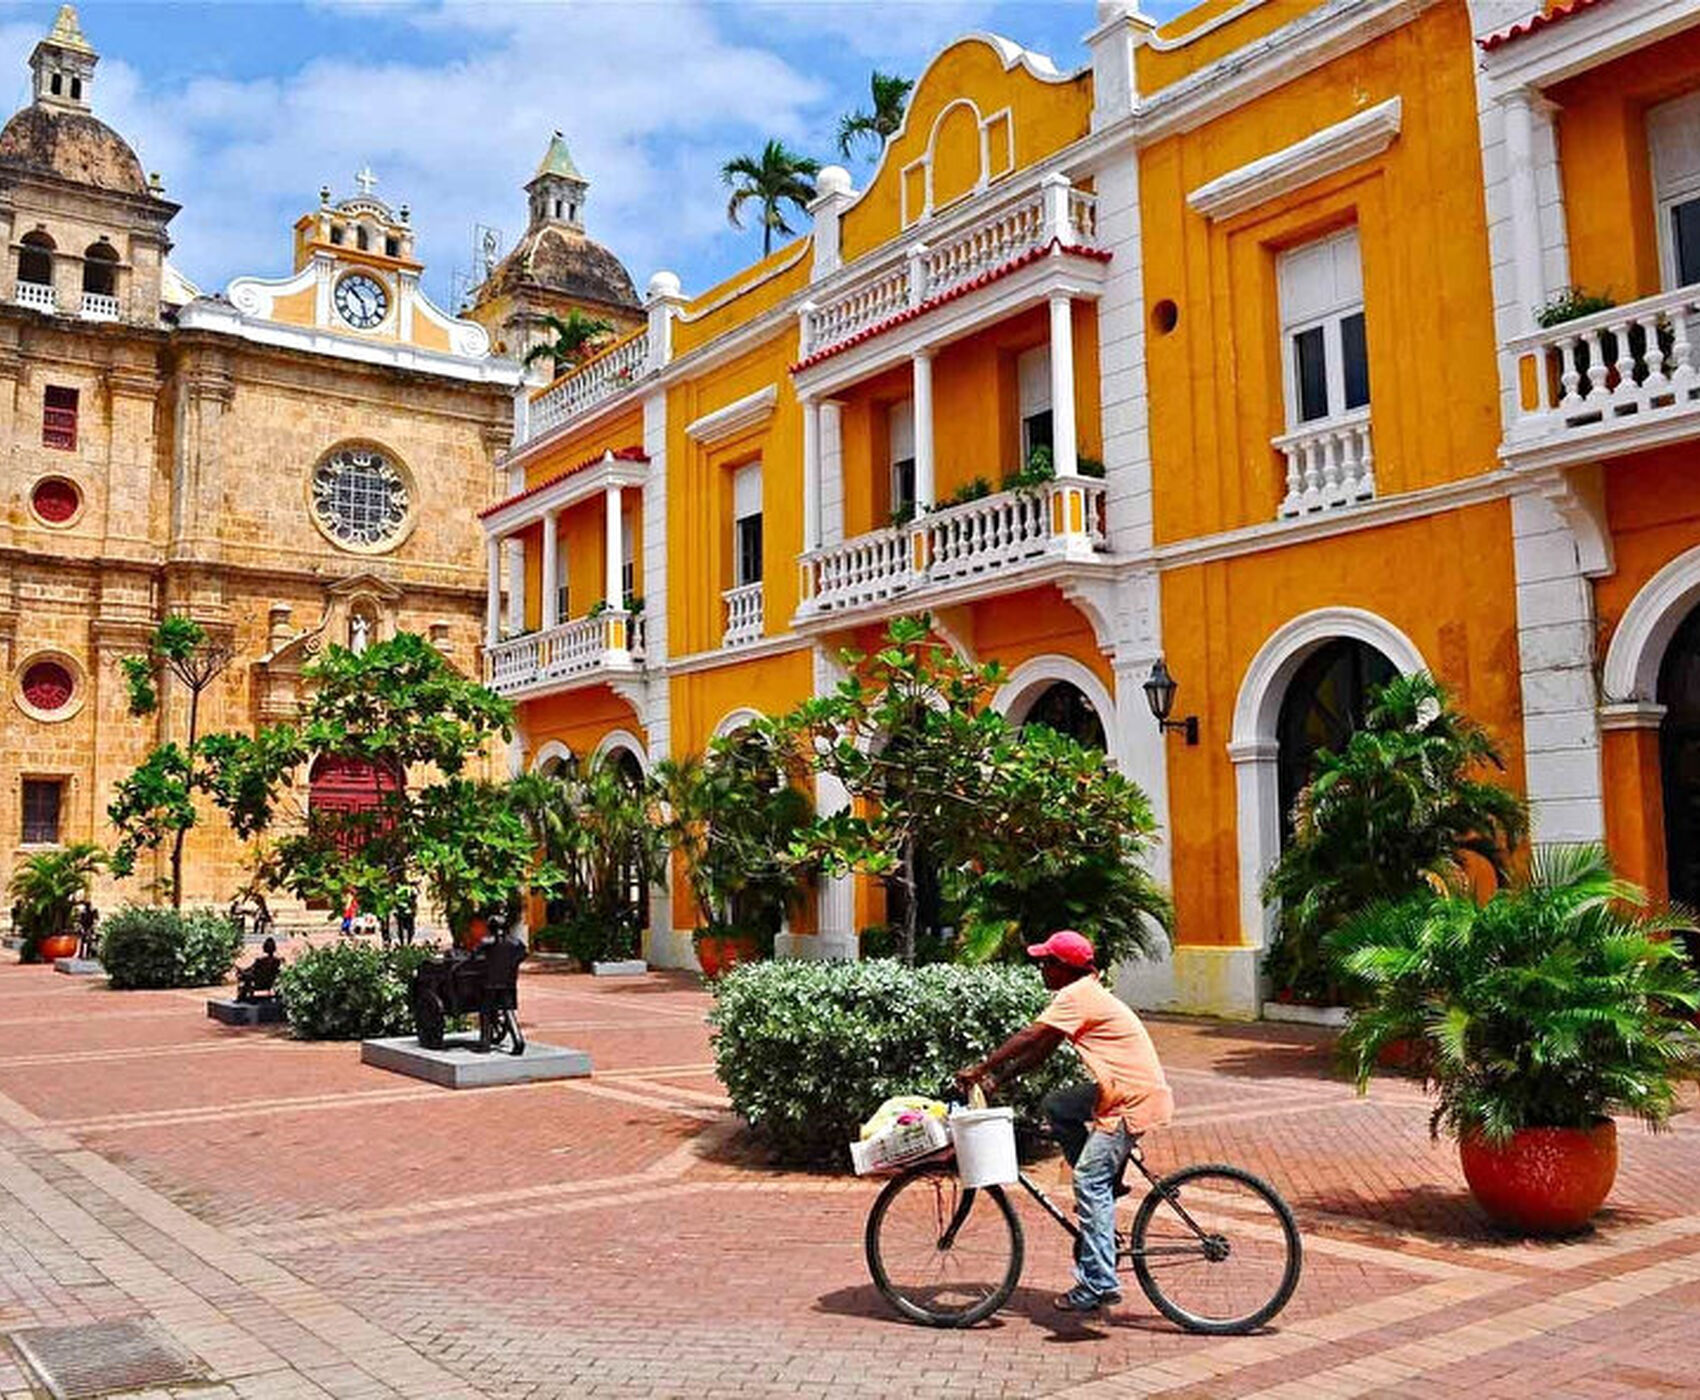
<point x="46" y="889"/>
<point x="1541" y="1011"/>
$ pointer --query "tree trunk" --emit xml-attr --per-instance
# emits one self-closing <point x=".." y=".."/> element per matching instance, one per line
<point x="911" y="910"/>
<point x="183" y="831"/>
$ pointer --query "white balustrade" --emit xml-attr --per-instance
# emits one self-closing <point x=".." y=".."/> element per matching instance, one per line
<point x="97" y="306"/>
<point x="577" y="648"/>
<point x="614" y="370"/>
<point x="995" y="534"/>
<point x="37" y="294"/>
<point x="743" y="615"/>
<point x="1330" y="463"/>
<point x="968" y="246"/>
<point x="1626" y="363"/>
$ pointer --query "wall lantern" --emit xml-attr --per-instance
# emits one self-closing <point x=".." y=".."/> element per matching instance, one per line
<point x="1160" y="696"/>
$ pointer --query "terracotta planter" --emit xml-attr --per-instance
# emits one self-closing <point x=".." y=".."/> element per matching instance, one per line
<point x="476" y="929"/>
<point x="719" y="955"/>
<point x="1545" y="1181"/>
<point x="60" y="945"/>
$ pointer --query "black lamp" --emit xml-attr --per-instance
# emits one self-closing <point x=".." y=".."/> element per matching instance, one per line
<point x="1160" y="696"/>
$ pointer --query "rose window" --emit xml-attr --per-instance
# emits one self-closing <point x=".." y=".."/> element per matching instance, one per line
<point x="359" y="498"/>
<point x="55" y="500"/>
<point x="48" y="686"/>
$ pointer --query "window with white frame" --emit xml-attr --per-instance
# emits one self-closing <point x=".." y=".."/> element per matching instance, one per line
<point x="902" y="442"/>
<point x="1322" y="328"/>
<point x="563" y="593"/>
<point x="628" y="562"/>
<point x="1673" y="144"/>
<point x="746" y="525"/>
<point x="1033" y="384"/>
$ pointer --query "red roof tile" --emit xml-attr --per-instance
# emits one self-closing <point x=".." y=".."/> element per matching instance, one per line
<point x="1545" y="20"/>
<point x="619" y="454"/>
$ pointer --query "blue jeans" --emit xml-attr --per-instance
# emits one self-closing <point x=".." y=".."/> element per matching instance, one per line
<point x="1098" y="1159"/>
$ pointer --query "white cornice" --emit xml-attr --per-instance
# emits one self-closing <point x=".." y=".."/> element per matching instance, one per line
<point x="735" y="418"/>
<point x="726" y="656"/>
<point x="570" y="490"/>
<point x="1367" y="134"/>
<point x="1584" y="40"/>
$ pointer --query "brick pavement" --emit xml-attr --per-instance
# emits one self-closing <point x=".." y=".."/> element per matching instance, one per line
<point x="307" y="1226"/>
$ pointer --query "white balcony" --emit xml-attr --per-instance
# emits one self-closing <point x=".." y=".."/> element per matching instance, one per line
<point x="39" y="295"/>
<point x="97" y="306"/>
<point x="583" y="387"/>
<point x="585" y="649"/>
<point x="1013" y="536"/>
<point x="744" y="617"/>
<point x="960" y="253"/>
<point x="1613" y="382"/>
<point x="1330" y="463"/>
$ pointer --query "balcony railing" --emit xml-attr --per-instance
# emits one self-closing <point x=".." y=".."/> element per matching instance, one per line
<point x="999" y="534"/>
<point x="744" y="621"/>
<point x="598" y="379"/>
<point x="40" y="295"/>
<point x="583" y="647"/>
<point x="1330" y="463"/>
<point x="97" y="306"/>
<point x="1000" y="235"/>
<point x="1620" y="368"/>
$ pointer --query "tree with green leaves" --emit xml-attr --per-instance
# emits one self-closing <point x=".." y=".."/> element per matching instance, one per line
<point x="1402" y="807"/>
<point x="46" y="889"/>
<point x="775" y="178"/>
<point x="156" y="802"/>
<point x="575" y="338"/>
<point x="891" y="100"/>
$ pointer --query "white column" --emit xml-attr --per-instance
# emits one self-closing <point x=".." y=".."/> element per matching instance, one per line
<point x="811" y="475"/>
<point x="493" y="597"/>
<point x="516" y="585"/>
<point x="831" y="472"/>
<point x="612" y="552"/>
<point x="551" y="567"/>
<point x="1525" y="203"/>
<point x="923" y="371"/>
<point x="1064" y="451"/>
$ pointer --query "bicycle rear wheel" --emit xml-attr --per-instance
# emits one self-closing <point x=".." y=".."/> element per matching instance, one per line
<point x="941" y="1253"/>
<point x="1216" y="1249"/>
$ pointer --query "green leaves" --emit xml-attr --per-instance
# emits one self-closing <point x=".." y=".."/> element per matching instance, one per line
<point x="775" y="178"/>
<point x="168" y="948"/>
<point x="1552" y="1004"/>
<point x="349" y="990"/>
<point x="47" y="887"/>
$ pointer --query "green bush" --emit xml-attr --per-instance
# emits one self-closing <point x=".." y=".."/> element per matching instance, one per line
<point x="591" y="939"/>
<point x="143" y="947"/>
<point x="349" y="990"/>
<point x="808" y="1050"/>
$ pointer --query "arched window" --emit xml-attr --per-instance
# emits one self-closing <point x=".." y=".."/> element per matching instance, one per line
<point x="100" y="269"/>
<point x="1679" y="761"/>
<point x="1065" y="708"/>
<point x="1325" y="702"/>
<point x="35" y="259"/>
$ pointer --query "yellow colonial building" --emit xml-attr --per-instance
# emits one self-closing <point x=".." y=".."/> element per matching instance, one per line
<point x="1266" y="284"/>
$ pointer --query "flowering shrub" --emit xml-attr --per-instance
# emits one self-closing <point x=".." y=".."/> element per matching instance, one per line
<point x="350" y="991"/>
<point x="166" y="948"/>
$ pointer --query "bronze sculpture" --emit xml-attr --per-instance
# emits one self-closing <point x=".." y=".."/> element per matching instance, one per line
<point x="485" y="981"/>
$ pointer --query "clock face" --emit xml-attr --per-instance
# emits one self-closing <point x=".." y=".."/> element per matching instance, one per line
<point x="361" y="300"/>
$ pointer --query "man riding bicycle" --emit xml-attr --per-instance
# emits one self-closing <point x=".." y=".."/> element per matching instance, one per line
<point x="1095" y="1123"/>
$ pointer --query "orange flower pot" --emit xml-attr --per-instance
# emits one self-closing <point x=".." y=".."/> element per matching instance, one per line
<point x="1545" y="1181"/>
<point x="719" y="955"/>
<point x="60" y="945"/>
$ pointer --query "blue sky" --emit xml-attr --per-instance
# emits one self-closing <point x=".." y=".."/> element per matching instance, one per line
<point x="247" y="108"/>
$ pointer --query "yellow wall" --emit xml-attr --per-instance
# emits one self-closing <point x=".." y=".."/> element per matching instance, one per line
<point x="580" y="719"/>
<point x="1217" y="377"/>
<point x="1608" y="187"/>
<point x="1461" y="618"/>
<point x="742" y="297"/>
<point x="1158" y="70"/>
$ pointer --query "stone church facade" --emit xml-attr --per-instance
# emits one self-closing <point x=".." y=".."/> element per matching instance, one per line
<point x="296" y="462"/>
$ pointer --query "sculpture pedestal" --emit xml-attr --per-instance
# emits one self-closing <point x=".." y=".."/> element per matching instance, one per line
<point x="79" y="967"/>
<point x="627" y="967"/>
<point x="458" y="1066"/>
<point x="230" y="1012"/>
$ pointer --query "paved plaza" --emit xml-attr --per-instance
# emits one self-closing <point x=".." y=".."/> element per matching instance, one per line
<point x="307" y="1226"/>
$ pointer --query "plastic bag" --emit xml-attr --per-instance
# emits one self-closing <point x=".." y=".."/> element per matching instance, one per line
<point x="902" y="1109"/>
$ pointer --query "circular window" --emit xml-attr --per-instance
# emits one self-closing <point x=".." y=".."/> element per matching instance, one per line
<point x="56" y="501"/>
<point x="360" y="499"/>
<point x="1165" y="316"/>
<point x="47" y="687"/>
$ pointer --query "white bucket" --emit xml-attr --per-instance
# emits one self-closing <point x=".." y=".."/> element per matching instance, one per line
<point x="984" y="1139"/>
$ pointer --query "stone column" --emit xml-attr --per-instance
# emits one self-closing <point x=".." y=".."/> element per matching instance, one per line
<point x="493" y="597"/>
<point x="612" y="548"/>
<point x="516" y="584"/>
<point x="923" y="377"/>
<point x="551" y="615"/>
<point x="1064" y="452"/>
<point x="1519" y="107"/>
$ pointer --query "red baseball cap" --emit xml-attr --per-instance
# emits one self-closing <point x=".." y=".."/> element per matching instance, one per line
<point x="1066" y="946"/>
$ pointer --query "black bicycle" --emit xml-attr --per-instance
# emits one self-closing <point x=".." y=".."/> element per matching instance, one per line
<point x="1214" y="1248"/>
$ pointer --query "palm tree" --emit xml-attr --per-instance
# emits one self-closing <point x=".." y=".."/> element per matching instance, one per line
<point x="47" y="887"/>
<point x="891" y="99"/>
<point x="574" y="338"/>
<point x="777" y="177"/>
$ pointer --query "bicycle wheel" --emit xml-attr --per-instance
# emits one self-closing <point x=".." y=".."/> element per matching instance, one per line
<point x="1216" y="1249"/>
<point x="941" y="1253"/>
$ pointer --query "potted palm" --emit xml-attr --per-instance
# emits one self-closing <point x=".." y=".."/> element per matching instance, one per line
<point x="46" y="889"/>
<point x="1540" y="1012"/>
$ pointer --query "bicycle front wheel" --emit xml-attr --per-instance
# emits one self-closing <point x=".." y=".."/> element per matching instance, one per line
<point x="942" y="1253"/>
<point x="1216" y="1249"/>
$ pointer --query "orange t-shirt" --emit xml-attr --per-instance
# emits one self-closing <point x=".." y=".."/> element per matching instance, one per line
<point x="1117" y="1050"/>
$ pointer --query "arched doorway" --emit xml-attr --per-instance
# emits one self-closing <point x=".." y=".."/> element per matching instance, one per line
<point x="1065" y="708"/>
<point x="1679" y="760"/>
<point x="344" y="795"/>
<point x="1323" y="705"/>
